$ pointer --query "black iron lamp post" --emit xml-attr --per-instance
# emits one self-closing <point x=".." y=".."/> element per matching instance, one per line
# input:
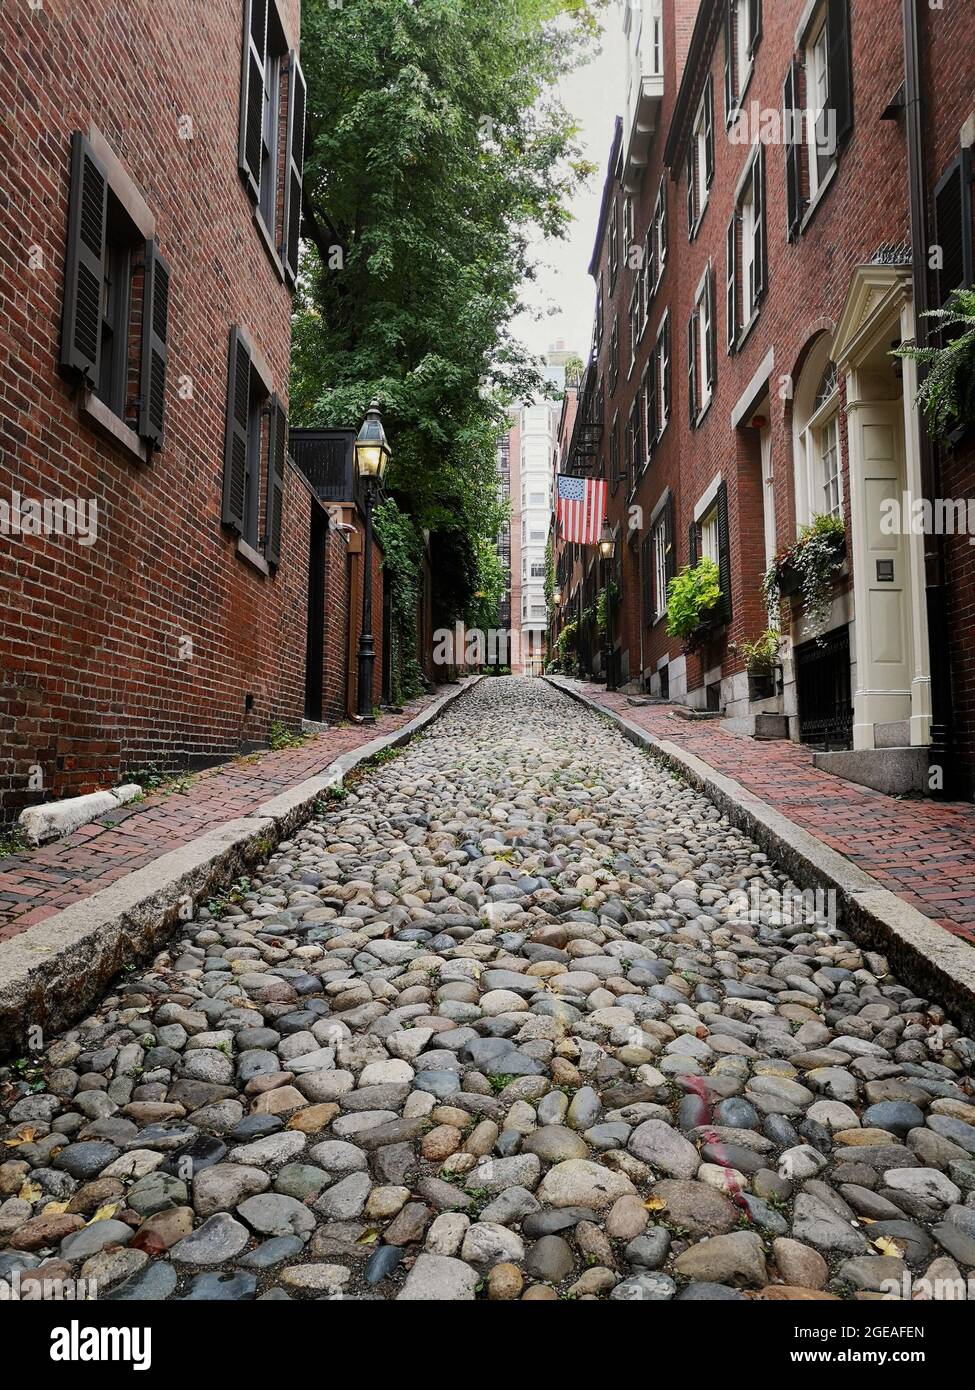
<point x="607" y="549"/>
<point x="371" y="458"/>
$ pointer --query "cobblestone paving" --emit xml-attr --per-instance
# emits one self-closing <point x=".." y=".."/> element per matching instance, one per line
<point x="919" y="848"/>
<point x="519" y="1017"/>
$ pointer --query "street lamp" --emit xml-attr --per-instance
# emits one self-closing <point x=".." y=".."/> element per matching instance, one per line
<point x="607" y="549"/>
<point x="371" y="458"/>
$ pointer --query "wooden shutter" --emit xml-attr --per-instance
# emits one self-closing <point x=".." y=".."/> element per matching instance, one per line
<point x="665" y="384"/>
<point x="953" y="228"/>
<point x="238" y="422"/>
<point x="731" y="295"/>
<point x="691" y="199"/>
<point x="709" y="128"/>
<point x="253" y="62"/>
<point x="729" y="62"/>
<point x="646" y="559"/>
<point x="711" y="333"/>
<point x="84" y="262"/>
<point x="653" y="414"/>
<point x="692" y="542"/>
<point x="670" y="531"/>
<point x="155" y="334"/>
<point x="294" y="167"/>
<point x="793" y="151"/>
<point x="755" y="23"/>
<point x="760" y="258"/>
<point x="840" y="66"/>
<point x="724" y="553"/>
<point x="692" y="369"/>
<point x="276" y="454"/>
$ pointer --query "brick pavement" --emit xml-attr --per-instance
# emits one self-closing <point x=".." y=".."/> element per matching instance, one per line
<point x="923" y="850"/>
<point x="36" y="884"/>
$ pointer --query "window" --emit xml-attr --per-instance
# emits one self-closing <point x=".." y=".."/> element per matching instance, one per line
<point x="537" y="499"/>
<point x="536" y="535"/>
<point x="614" y="358"/>
<point x="650" y="393"/>
<point x="742" y="31"/>
<point x="115" y="317"/>
<point x="634" y="316"/>
<point x="598" y="330"/>
<point x="662" y="364"/>
<point x="254" y="453"/>
<point x="815" y="131"/>
<point x="627" y="224"/>
<point x="658" y="560"/>
<point x="614" y="244"/>
<point x="272" y="125"/>
<point x="538" y="569"/>
<point x="747" y="254"/>
<point x="816" y="438"/>
<point x="701" y="350"/>
<point x="700" y="160"/>
<point x="709" y="538"/>
<point x="637" y="447"/>
<point x="660" y="576"/>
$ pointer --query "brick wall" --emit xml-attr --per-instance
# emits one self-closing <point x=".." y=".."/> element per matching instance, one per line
<point x="94" y="680"/>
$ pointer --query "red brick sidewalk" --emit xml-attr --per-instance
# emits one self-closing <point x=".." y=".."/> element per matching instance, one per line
<point x="920" y="849"/>
<point x="36" y="884"/>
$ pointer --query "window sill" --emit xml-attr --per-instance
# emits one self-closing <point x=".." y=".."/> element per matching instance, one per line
<point x="821" y="192"/>
<point x="745" y="333"/>
<point x="97" y="413"/>
<point x="268" y="243"/>
<point x="738" y="110"/>
<point x="702" y="413"/>
<point x="253" y="557"/>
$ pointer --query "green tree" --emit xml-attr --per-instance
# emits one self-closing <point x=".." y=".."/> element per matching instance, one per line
<point x="435" y="150"/>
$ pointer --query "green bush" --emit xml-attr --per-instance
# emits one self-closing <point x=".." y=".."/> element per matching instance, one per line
<point x="947" y="393"/>
<point x="693" y="596"/>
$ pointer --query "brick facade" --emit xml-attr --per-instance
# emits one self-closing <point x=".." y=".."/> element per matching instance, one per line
<point x="745" y="441"/>
<point x="166" y="641"/>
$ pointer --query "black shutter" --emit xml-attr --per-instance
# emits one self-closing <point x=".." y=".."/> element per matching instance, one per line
<point x="711" y="337"/>
<point x="653" y="414"/>
<point x="253" y="60"/>
<point x="760" y="259"/>
<point x="731" y="297"/>
<point x="294" y="166"/>
<point x="840" y="66"/>
<point x="724" y="554"/>
<point x="84" y="262"/>
<point x="692" y="540"/>
<point x="692" y="369"/>
<point x="155" y="333"/>
<point x="755" y="23"/>
<point x="670" y="531"/>
<point x="691" y="198"/>
<point x="953" y="228"/>
<point x="729" y="65"/>
<point x="276" y="453"/>
<point x="665" y="403"/>
<point x="793" y="146"/>
<point x="236" y="441"/>
<point x="709" y="127"/>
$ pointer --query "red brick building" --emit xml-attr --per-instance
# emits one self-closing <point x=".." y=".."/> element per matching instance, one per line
<point x="169" y="576"/>
<point x="778" y="189"/>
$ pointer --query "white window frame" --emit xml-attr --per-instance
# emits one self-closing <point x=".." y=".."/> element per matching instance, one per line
<point x="700" y="137"/>
<point x="743" y="50"/>
<point x="817" y="94"/>
<point x="708" y="529"/>
<point x="658" y="550"/>
<point x="659" y="243"/>
<point x="704" y="390"/>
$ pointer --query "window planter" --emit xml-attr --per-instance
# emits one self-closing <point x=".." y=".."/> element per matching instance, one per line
<point x="807" y="571"/>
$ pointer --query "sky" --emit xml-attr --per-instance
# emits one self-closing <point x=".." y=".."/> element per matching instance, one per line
<point x="593" y="95"/>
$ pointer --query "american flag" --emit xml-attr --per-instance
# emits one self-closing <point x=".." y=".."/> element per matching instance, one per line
<point x="580" y="508"/>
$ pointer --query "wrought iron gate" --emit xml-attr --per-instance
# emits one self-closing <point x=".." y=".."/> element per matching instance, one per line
<point x="823" y="685"/>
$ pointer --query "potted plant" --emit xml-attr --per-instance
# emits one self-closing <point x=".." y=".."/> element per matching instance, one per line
<point x="694" y="604"/>
<point x="761" y="659"/>
<point x="947" y="392"/>
<point x="808" y="570"/>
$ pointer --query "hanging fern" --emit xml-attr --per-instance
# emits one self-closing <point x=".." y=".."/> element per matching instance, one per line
<point x="947" y="392"/>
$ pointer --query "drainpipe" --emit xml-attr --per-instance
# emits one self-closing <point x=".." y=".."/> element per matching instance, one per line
<point x="934" y="559"/>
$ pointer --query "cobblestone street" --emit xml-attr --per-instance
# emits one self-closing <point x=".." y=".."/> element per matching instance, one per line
<point x="518" y="1017"/>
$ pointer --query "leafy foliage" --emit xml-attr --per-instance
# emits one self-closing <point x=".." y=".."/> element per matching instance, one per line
<point x="815" y="558"/>
<point x="947" y="392"/>
<point x="402" y="562"/>
<point x="692" y="598"/>
<point x="762" y="655"/>
<point x="435" y="153"/>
